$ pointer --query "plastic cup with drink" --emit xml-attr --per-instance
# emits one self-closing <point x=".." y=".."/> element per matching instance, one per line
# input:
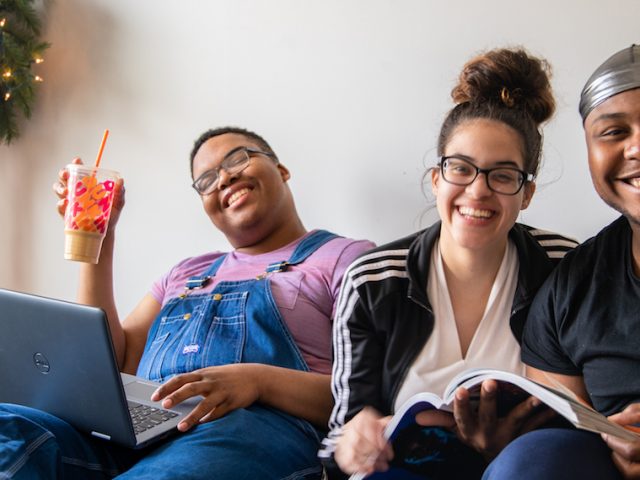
<point x="89" y="200"/>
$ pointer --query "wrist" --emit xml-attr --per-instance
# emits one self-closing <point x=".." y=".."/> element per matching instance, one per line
<point x="108" y="243"/>
<point x="257" y="374"/>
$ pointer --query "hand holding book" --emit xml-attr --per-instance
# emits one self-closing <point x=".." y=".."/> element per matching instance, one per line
<point x="515" y="388"/>
<point x="626" y="453"/>
<point x="512" y="390"/>
<point x="487" y="426"/>
<point x="363" y="447"/>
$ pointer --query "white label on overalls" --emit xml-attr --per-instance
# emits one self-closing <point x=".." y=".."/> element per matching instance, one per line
<point x="190" y="349"/>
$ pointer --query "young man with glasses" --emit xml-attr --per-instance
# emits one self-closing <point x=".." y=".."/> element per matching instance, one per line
<point x="247" y="330"/>
<point x="454" y="296"/>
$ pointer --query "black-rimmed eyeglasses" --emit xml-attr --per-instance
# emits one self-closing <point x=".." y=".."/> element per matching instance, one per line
<point x="462" y="172"/>
<point x="233" y="163"/>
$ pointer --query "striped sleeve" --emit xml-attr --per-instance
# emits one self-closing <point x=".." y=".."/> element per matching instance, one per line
<point x="554" y="244"/>
<point x="373" y="268"/>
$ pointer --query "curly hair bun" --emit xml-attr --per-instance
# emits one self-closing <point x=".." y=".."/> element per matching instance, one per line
<point x="510" y="78"/>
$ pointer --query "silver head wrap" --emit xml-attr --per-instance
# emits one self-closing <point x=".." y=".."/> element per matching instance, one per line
<point x="621" y="72"/>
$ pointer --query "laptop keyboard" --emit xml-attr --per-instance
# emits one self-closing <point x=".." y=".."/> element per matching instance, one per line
<point x="145" y="417"/>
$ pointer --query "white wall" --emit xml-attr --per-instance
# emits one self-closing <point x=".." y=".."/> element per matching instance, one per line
<point x="349" y="93"/>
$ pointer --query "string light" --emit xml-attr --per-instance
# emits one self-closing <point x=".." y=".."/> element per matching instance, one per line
<point x="7" y="73"/>
<point x="2" y="23"/>
<point x="20" y="51"/>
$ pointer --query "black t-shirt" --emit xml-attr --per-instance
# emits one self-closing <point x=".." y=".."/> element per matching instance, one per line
<point x="585" y="320"/>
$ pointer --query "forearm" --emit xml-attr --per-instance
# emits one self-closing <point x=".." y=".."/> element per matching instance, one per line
<point x="302" y="394"/>
<point x="96" y="288"/>
<point x="554" y="380"/>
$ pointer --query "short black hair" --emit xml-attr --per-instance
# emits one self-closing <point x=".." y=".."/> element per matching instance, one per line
<point x="262" y="143"/>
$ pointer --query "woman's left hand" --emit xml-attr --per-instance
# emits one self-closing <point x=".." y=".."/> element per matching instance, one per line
<point x="626" y="455"/>
<point x="224" y="388"/>
<point x="485" y="431"/>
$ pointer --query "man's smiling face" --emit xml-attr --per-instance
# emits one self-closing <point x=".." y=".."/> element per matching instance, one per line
<point x="247" y="205"/>
<point x="612" y="132"/>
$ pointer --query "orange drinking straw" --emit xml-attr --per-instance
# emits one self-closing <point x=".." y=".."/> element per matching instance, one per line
<point x="104" y="140"/>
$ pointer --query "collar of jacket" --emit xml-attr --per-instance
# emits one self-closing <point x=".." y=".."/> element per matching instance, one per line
<point x="535" y="266"/>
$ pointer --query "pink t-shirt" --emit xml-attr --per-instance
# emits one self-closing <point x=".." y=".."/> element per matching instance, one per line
<point x="306" y="294"/>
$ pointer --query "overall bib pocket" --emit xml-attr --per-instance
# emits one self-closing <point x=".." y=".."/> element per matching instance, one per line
<point x="195" y="332"/>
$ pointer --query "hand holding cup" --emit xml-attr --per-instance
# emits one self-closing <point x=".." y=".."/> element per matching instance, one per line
<point x="91" y="199"/>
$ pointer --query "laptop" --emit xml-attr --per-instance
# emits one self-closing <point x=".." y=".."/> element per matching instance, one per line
<point x="58" y="357"/>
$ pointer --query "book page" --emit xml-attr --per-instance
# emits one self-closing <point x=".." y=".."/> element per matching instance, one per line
<point x="407" y="412"/>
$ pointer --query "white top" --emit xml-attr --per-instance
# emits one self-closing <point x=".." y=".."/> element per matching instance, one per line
<point x="492" y="346"/>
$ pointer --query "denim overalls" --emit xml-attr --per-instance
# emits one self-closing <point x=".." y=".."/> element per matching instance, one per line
<point x="237" y="322"/>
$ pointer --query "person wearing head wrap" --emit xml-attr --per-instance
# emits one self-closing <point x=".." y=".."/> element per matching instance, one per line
<point x="584" y="325"/>
<point x="621" y="72"/>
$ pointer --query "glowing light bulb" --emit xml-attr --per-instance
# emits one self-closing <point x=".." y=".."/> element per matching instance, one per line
<point x="38" y="78"/>
<point x="39" y="60"/>
<point x="7" y="96"/>
<point x="6" y="74"/>
<point x="2" y="22"/>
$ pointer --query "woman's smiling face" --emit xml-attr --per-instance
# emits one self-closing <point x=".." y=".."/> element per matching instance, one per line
<point x="473" y="216"/>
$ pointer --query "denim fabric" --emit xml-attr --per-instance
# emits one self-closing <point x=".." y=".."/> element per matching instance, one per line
<point x="237" y="322"/>
<point x="554" y="454"/>
<point x="258" y="443"/>
<point x="36" y="445"/>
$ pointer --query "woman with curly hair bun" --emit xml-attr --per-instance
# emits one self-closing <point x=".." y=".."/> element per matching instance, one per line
<point x="417" y="311"/>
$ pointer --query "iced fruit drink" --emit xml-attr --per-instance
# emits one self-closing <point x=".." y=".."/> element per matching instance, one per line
<point x="90" y="197"/>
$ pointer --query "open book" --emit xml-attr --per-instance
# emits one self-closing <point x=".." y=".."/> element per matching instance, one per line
<point x="402" y="430"/>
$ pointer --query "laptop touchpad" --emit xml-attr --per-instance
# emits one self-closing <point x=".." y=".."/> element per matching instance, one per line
<point x="139" y="390"/>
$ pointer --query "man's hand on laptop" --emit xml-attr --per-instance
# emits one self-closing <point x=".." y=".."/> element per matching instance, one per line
<point x="224" y="388"/>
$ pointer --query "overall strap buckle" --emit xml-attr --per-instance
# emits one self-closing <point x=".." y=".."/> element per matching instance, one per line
<point x="195" y="283"/>
<point x="277" y="267"/>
